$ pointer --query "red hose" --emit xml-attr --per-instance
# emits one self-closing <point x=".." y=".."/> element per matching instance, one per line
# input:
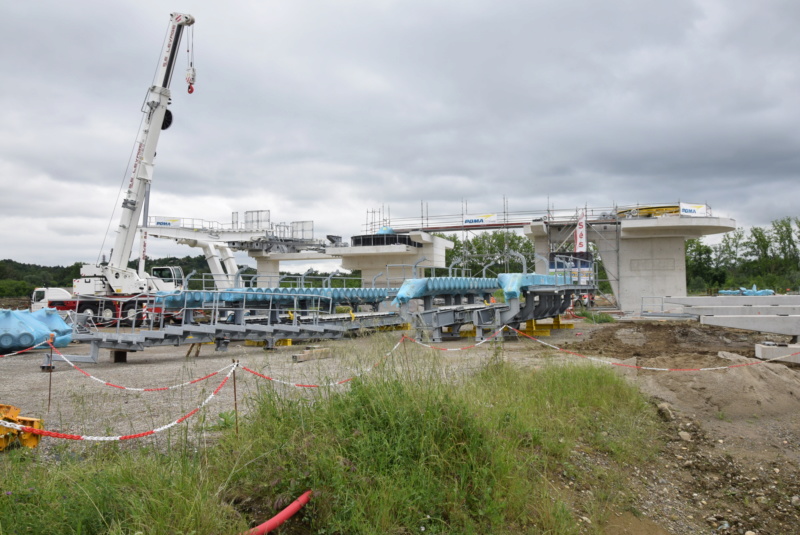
<point x="281" y="517"/>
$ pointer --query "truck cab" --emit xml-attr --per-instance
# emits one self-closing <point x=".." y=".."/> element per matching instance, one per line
<point x="49" y="297"/>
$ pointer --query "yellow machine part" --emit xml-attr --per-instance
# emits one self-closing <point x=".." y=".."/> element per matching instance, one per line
<point x="650" y="211"/>
<point x="262" y="343"/>
<point x="10" y="436"/>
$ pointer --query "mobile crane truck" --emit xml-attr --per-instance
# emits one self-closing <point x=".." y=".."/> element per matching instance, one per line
<point x="113" y="290"/>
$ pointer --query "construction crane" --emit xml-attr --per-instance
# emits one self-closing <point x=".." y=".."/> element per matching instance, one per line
<point x="101" y="281"/>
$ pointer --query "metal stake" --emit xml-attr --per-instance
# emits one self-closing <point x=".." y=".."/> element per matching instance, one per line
<point x="235" y="397"/>
<point x="50" y="376"/>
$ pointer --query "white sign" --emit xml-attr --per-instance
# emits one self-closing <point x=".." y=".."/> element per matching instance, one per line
<point x="580" y="234"/>
<point x="485" y="219"/>
<point x="167" y="221"/>
<point x="695" y="210"/>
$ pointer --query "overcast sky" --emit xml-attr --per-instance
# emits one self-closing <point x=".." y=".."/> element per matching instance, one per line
<point x="322" y="110"/>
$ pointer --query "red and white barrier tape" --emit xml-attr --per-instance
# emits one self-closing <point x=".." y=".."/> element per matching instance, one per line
<point x="44" y="432"/>
<point x="337" y="383"/>
<point x="20" y="352"/>
<point x="159" y="389"/>
<point x="487" y="339"/>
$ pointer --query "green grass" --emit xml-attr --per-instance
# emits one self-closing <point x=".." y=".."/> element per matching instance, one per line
<point x="594" y="317"/>
<point x="110" y="492"/>
<point x="501" y="451"/>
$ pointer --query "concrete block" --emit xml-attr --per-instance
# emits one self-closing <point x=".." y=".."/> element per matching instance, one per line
<point x="770" y="351"/>
<point x="312" y="353"/>
<point x="789" y="325"/>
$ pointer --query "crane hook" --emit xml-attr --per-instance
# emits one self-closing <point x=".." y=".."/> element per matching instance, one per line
<point x="191" y="89"/>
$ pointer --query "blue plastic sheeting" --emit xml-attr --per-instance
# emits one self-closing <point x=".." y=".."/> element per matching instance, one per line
<point x="411" y="289"/>
<point x="258" y="297"/>
<point x="20" y="330"/>
<point x="745" y="291"/>
<point x="416" y="288"/>
<point x="513" y="283"/>
<point x="53" y="321"/>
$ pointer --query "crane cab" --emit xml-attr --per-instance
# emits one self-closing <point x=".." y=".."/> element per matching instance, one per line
<point x="167" y="278"/>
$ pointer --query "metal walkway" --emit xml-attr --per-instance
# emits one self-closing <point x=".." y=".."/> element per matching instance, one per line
<point x="450" y="303"/>
<point x="268" y="315"/>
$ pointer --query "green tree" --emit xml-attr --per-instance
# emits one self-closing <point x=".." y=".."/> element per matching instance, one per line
<point x="496" y="251"/>
<point x="15" y="288"/>
<point x="784" y="240"/>
<point x="758" y="247"/>
<point x="701" y="269"/>
<point x="728" y="252"/>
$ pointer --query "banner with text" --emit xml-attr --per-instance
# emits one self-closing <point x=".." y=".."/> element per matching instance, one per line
<point x="695" y="210"/>
<point x="580" y="234"/>
<point x="167" y="221"/>
<point x="485" y="219"/>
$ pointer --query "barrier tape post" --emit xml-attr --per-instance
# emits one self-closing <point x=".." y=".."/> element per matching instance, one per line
<point x="235" y="398"/>
<point x="50" y="373"/>
<point x="44" y="432"/>
<point x="122" y="387"/>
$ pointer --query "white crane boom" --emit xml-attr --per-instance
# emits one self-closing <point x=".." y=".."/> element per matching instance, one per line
<point x="156" y="117"/>
<point x="114" y="290"/>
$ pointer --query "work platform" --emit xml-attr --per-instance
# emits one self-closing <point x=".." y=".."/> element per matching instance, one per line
<point x="262" y="315"/>
<point x="297" y="329"/>
<point x="268" y="315"/>
<point x="451" y="303"/>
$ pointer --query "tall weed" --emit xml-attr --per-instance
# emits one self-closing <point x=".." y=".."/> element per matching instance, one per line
<point x="413" y="446"/>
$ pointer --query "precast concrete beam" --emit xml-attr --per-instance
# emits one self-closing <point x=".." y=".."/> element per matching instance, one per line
<point x="746" y="310"/>
<point x="788" y="325"/>
<point x="735" y="300"/>
<point x="783" y="353"/>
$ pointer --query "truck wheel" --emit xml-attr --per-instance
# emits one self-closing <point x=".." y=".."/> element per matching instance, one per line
<point x="109" y="313"/>
<point x="89" y="310"/>
<point x="131" y="313"/>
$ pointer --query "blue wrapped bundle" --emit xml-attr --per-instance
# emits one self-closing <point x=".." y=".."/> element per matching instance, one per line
<point x="51" y="319"/>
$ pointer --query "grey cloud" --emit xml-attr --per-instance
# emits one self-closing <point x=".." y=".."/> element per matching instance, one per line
<point x="324" y="112"/>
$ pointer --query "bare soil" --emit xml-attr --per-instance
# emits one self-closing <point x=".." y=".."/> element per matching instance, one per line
<point x="733" y="448"/>
<point x="731" y="464"/>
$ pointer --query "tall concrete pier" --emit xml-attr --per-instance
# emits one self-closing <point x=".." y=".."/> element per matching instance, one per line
<point x="643" y="256"/>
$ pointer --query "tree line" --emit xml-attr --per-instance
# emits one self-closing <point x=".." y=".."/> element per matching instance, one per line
<point x="768" y="257"/>
<point x="488" y="254"/>
<point x="19" y="280"/>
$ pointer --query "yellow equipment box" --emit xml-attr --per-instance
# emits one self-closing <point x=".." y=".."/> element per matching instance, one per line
<point x="9" y="436"/>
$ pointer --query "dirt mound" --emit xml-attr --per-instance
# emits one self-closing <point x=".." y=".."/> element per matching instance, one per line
<point x="755" y="390"/>
<point x="732" y="462"/>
